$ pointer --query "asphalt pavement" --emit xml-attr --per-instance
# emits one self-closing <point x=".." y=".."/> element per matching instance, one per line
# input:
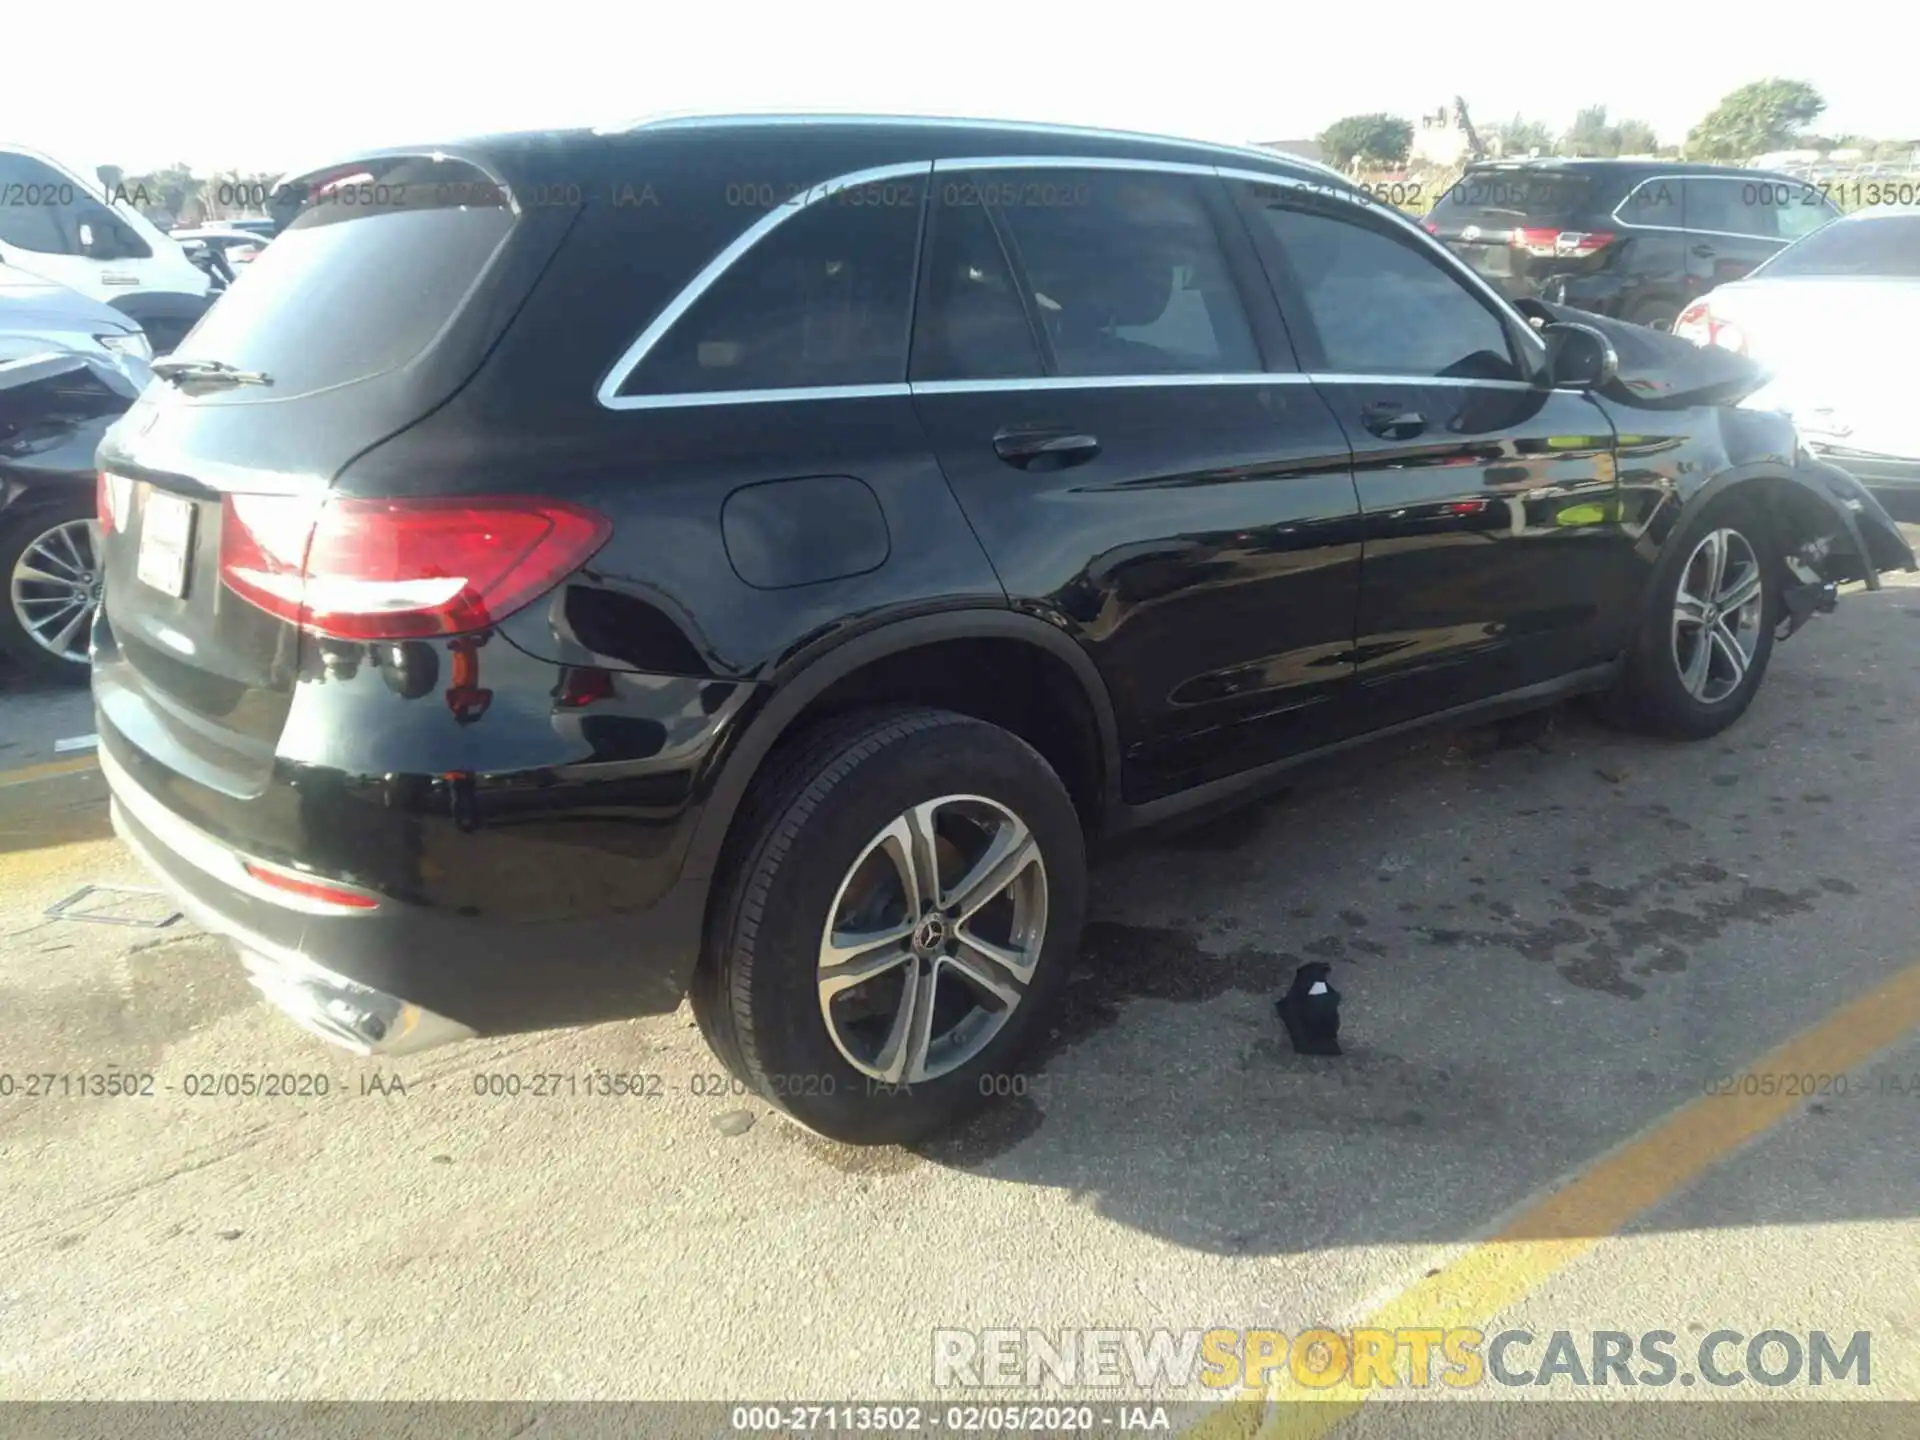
<point x="1557" y="946"/>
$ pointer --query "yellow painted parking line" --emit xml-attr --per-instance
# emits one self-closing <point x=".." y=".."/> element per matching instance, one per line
<point x="51" y="770"/>
<point x="1622" y="1184"/>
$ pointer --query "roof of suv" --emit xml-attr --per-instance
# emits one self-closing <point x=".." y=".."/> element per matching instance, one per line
<point x="589" y="155"/>
<point x="964" y="135"/>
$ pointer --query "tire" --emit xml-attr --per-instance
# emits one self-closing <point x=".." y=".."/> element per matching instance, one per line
<point x="1654" y="314"/>
<point x="810" y="840"/>
<point x="28" y="604"/>
<point x="1662" y="690"/>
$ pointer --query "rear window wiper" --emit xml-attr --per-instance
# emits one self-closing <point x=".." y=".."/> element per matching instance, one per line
<point x="208" y="372"/>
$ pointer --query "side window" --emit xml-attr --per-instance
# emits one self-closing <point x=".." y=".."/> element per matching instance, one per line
<point x="1715" y="203"/>
<point x="103" y="235"/>
<point x="1380" y="306"/>
<point x="36" y="204"/>
<point x="1654" y="202"/>
<point x="822" y="299"/>
<point x="970" y="324"/>
<point x="1806" y="213"/>
<point x="1123" y="269"/>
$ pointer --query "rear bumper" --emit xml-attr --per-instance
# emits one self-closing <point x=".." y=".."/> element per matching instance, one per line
<point x="409" y="974"/>
<point x="334" y="1006"/>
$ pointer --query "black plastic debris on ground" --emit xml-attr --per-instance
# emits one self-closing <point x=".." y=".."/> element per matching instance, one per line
<point x="135" y="905"/>
<point x="1311" y="1011"/>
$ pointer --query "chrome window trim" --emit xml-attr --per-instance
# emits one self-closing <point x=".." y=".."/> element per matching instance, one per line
<point x="1615" y="215"/>
<point x="693" y="399"/>
<point x="1103" y="382"/>
<point x="609" y="392"/>
<point x="1341" y="377"/>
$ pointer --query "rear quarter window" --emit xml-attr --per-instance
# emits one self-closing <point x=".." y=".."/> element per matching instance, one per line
<point x="822" y="298"/>
<point x="374" y="264"/>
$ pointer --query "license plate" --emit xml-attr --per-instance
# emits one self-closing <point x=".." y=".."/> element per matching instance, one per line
<point x="166" y="543"/>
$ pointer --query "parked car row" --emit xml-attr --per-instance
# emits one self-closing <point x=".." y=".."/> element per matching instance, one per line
<point x="771" y="603"/>
<point x="1637" y="240"/>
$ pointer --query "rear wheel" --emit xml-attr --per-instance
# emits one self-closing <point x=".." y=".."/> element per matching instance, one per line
<point x="50" y="564"/>
<point x="903" y="907"/>
<point x="1705" y="643"/>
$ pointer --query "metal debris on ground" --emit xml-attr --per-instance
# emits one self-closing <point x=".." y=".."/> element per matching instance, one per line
<point x="116" y="895"/>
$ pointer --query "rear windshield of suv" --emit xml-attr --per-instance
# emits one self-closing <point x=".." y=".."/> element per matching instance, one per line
<point x="1886" y="247"/>
<point x="1549" y="197"/>
<point x="376" y="261"/>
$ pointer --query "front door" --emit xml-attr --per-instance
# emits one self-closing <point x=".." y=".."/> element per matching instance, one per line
<point x="1494" y="558"/>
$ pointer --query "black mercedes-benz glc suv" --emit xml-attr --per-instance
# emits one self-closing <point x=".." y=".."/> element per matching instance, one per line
<point x="752" y="557"/>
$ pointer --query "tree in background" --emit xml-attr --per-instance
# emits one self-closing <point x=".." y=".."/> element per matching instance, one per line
<point x="1758" y="117"/>
<point x="1593" y="134"/>
<point x="1377" y="139"/>
<point x="1635" y="137"/>
<point x="1520" y="136"/>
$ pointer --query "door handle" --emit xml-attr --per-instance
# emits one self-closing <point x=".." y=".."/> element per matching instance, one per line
<point x="1705" y="252"/>
<point x="1044" y="449"/>
<point x="1390" y="422"/>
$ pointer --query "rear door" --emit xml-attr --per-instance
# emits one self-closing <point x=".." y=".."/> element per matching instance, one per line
<point x="1133" y="444"/>
<point x="1494" y="558"/>
<point x="1733" y="225"/>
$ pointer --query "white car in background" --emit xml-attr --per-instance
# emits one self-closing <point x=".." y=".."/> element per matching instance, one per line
<point x="60" y="227"/>
<point x="1832" y="317"/>
<point x="38" y="317"/>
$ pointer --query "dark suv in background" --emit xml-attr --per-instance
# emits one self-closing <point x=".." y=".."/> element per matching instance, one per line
<point x="753" y="556"/>
<point x="1635" y="239"/>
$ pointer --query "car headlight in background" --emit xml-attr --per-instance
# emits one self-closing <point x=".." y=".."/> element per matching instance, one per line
<point x="135" y="344"/>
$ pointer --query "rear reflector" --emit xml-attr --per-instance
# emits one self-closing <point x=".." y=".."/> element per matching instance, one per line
<point x="362" y="569"/>
<point x="310" y="889"/>
<point x="1576" y="244"/>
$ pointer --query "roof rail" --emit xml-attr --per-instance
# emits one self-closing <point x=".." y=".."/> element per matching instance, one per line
<point x="716" y="120"/>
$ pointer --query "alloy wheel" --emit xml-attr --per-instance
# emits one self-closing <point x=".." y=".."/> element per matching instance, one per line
<point x="1716" y="616"/>
<point x="55" y="588"/>
<point x="932" y="939"/>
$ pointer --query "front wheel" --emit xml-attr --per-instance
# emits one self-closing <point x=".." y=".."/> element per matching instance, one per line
<point x="904" y="906"/>
<point x="1703" y="648"/>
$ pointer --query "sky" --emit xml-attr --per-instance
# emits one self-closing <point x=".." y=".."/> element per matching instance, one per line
<point x="273" y="84"/>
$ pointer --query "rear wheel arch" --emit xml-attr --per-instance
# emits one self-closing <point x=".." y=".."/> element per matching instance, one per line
<point x="905" y="661"/>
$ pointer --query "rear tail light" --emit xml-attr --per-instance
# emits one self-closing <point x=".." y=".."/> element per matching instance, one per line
<point x="361" y="569"/>
<point x="1575" y="244"/>
<point x="1699" y="324"/>
<point x="112" y="494"/>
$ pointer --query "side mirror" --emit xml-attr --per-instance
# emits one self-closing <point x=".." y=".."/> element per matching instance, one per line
<point x="1579" y="357"/>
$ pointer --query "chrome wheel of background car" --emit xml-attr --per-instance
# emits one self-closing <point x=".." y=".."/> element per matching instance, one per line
<point x="55" y="588"/>
<point x="932" y="939"/>
<point x="1716" y="616"/>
